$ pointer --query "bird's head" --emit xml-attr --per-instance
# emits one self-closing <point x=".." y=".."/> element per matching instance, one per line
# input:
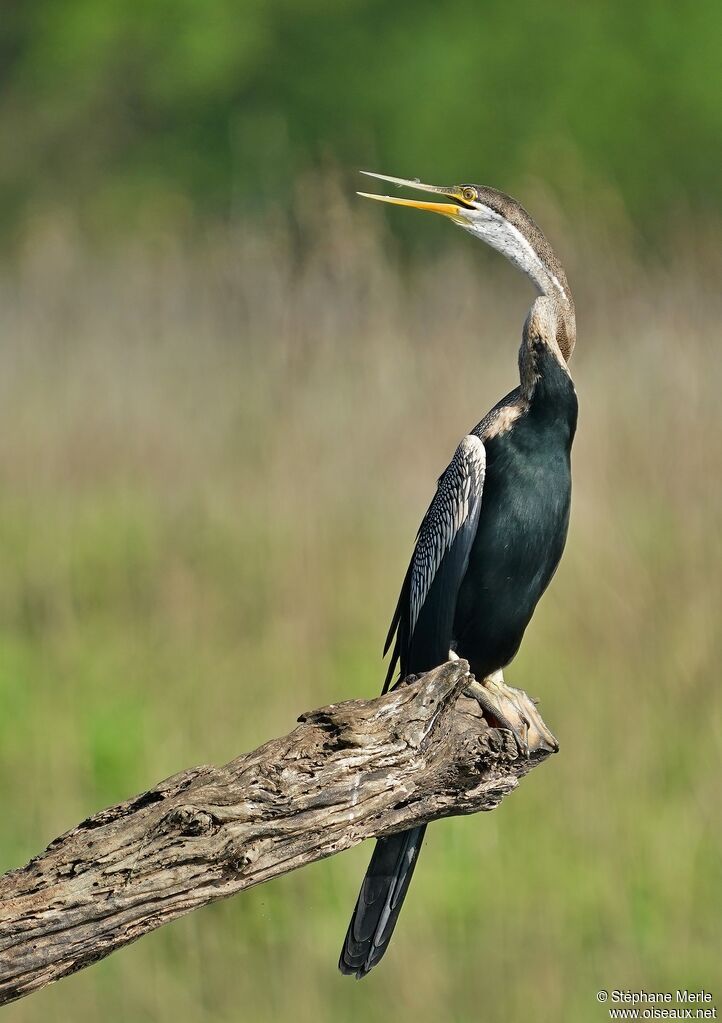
<point x="505" y="225"/>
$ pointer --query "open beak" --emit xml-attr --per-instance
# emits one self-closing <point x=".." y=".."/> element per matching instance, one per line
<point x="447" y="209"/>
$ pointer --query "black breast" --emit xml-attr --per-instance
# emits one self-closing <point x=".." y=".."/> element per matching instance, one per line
<point x="522" y="526"/>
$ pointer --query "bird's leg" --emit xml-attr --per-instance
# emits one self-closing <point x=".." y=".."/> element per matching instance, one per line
<point x="510" y="708"/>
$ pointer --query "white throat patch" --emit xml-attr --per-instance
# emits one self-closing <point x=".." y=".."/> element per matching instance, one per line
<point x="497" y="232"/>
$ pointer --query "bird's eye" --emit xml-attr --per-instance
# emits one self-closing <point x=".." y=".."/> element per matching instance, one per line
<point x="468" y="194"/>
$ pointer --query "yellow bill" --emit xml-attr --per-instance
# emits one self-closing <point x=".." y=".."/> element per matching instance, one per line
<point x="446" y="209"/>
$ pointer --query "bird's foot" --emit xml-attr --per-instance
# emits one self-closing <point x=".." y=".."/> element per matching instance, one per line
<point x="496" y="712"/>
<point x="509" y="708"/>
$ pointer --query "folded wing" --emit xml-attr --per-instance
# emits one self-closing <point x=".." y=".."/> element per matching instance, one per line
<point x="422" y="626"/>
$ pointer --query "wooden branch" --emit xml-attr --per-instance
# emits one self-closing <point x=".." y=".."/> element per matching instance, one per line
<point x="346" y="773"/>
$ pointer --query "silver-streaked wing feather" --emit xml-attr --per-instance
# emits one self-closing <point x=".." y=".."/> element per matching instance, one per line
<point x="457" y="495"/>
<point x="440" y="557"/>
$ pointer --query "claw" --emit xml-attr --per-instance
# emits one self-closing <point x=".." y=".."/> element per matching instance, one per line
<point x="516" y="712"/>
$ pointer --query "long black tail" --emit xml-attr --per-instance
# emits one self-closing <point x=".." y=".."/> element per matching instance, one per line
<point x="380" y="901"/>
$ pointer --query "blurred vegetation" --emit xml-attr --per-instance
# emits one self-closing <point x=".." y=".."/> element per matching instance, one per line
<point x="208" y="501"/>
<point x="224" y="397"/>
<point x="162" y="111"/>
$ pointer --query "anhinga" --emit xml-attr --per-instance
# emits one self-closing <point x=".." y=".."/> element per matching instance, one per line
<point x="495" y="531"/>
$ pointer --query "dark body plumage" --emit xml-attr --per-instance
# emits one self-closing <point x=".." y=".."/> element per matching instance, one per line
<point x="515" y="548"/>
<point x="522" y="526"/>
<point x="495" y="531"/>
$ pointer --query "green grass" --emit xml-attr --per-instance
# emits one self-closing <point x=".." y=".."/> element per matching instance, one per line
<point x="212" y="466"/>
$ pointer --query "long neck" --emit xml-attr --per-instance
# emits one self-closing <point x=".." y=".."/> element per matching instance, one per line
<point x="515" y="235"/>
<point x="505" y="225"/>
<point x="547" y="274"/>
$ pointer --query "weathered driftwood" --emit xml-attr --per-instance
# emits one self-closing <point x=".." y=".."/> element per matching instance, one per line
<point x="346" y="773"/>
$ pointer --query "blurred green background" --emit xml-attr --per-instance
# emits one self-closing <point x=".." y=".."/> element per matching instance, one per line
<point x="226" y="389"/>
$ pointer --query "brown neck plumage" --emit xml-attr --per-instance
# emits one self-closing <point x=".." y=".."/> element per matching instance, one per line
<point x="549" y="323"/>
<point x="505" y="225"/>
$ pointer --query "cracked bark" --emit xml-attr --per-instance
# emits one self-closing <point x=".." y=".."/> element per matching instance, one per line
<point x="347" y="772"/>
